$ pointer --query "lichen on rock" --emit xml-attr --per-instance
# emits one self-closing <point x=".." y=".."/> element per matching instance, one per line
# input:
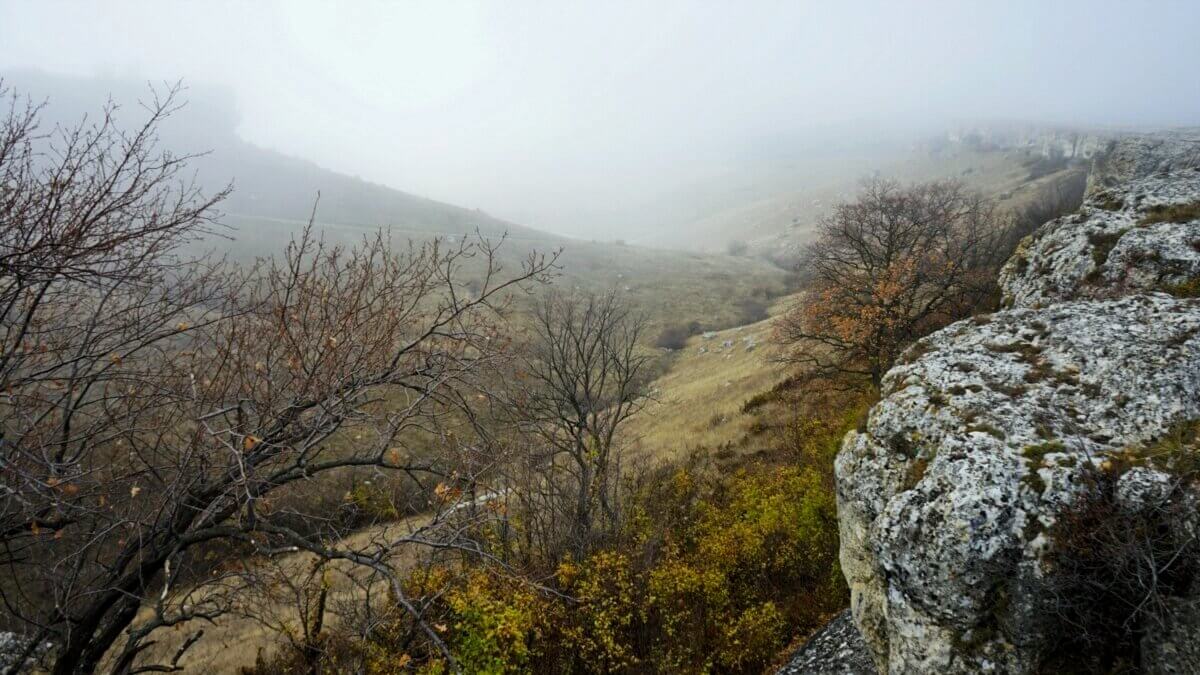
<point x="1131" y="157"/>
<point x="1002" y="415"/>
<point x="1142" y="236"/>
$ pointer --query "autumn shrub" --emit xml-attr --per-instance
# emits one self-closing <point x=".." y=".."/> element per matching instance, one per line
<point x="596" y="633"/>
<point x="713" y="568"/>
<point x="889" y="268"/>
<point x="713" y="574"/>
<point x="493" y="624"/>
<point x="675" y="335"/>
<point x="753" y="560"/>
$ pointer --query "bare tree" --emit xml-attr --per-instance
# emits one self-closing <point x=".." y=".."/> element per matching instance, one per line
<point x="152" y="407"/>
<point x="583" y="376"/>
<point x="888" y="268"/>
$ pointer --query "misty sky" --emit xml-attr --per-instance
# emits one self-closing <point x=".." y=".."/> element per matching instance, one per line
<point x="554" y="113"/>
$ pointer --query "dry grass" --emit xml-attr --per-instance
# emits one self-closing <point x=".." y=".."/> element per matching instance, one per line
<point x="700" y="396"/>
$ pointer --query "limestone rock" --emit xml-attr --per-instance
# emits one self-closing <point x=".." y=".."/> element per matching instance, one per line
<point x="836" y="649"/>
<point x="1129" y="158"/>
<point x="980" y="440"/>
<point x="1123" y="240"/>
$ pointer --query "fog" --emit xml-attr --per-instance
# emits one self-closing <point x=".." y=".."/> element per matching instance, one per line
<point x="603" y="119"/>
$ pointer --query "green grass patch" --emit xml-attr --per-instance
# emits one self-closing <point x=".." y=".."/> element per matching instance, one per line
<point x="1184" y="289"/>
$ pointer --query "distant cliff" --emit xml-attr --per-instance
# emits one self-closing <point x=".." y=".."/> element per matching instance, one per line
<point x="1045" y="140"/>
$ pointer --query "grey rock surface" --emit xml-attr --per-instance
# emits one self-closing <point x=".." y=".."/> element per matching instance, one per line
<point x="836" y="649"/>
<point x="979" y="441"/>
<point x="1131" y="157"/>
<point x="1111" y="247"/>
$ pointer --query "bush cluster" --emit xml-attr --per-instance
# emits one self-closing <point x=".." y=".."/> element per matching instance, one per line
<point x="711" y="570"/>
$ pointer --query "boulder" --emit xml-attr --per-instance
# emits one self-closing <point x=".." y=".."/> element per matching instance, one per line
<point x="1142" y="236"/>
<point x="980" y="441"/>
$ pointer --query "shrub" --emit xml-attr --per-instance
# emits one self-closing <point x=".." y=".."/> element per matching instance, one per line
<point x="751" y="310"/>
<point x="1117" y="567"/>
<point x="712" y="569"/>
<point x="675" y="336"/>
<point x="493" y="623"/>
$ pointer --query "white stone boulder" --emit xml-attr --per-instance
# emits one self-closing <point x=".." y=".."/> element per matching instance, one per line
<point x="1144" y="236"/>
<point x="978" y="443"/>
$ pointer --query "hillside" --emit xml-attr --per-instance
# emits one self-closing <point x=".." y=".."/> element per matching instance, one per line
<point x="268" y="185"/>
<point x="776" y="215"/>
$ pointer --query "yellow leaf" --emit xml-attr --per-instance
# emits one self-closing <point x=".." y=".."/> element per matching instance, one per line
<point x="250" y="442"/>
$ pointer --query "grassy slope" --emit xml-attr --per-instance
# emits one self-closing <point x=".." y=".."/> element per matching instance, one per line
<point x="700" y="396"/>
<point x="785" y="218"/>
<point x="668" y="286"/>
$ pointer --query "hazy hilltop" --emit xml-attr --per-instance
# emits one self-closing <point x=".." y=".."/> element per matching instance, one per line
<point x="270" y="188"/>
<point x="767" y="194"/>
<point x="274" y="194"/>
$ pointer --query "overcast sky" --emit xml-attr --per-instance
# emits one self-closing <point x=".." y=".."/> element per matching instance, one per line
<point x="544" y="112"/>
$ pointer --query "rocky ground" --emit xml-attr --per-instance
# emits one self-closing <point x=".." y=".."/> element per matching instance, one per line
<point x="836" y="649"/>
<point x="1141" y="236"/>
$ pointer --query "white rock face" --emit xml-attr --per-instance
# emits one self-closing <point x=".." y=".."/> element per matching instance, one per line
<point x="977" y="445"/>
<point x="1109" y="249"/>
<point x="1129" y="158"/>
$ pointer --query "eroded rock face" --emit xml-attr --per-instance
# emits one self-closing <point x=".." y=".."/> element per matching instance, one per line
<point x="1130" y="158"/>
<point x="979" y="442"/>
<point x="1144" y="236"/>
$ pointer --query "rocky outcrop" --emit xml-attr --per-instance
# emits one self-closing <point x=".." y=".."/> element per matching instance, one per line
<point x="1039" y="139"/>
<point x="979" y="440"/>
<point x="1132" y="157"/>
<point x="1141" y="236"/>
<point x="990" y="429"/>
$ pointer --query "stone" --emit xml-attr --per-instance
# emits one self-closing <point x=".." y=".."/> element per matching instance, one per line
<point x="979" y="441"/>
<point x="1111" y="247"/>
<point x="835" y="649"/>
<point x="1130" y="158"/>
